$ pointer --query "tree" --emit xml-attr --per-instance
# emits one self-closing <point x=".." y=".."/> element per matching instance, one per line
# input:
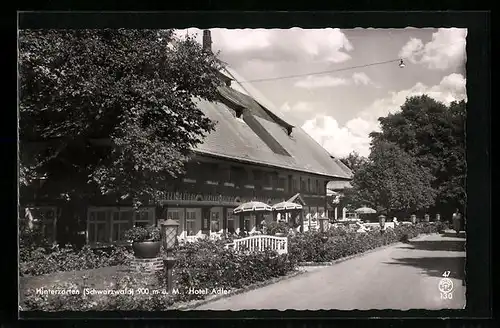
<point x="115" y="110"/>
<point x="391" y="181"/>
<point x="354" y="161"/>
<point x="433" y="134"/>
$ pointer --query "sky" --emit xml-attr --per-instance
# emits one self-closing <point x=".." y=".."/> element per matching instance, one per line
<point x="339" y="109"/>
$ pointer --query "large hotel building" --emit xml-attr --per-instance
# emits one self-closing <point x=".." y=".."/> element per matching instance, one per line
<point x="253" y="154"/>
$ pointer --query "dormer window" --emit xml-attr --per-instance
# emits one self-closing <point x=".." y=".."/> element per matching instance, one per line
<point x="239" y="113"/>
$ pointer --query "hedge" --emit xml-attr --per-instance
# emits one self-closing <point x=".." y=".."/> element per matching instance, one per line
<point x="202" y="265"/>
<point x="207" y="264"/>
<point x="341" y="242"/>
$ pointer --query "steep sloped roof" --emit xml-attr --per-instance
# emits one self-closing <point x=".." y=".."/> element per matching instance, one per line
<point x="343" y="166"/>
<point x="233" y="138"/>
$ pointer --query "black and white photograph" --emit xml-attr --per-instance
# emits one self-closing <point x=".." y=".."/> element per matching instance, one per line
<point x="242" y="169"/>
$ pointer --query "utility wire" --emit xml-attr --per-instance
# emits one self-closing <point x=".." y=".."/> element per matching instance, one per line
<point x="336" y="70"/>
<point x="322" y="72"/>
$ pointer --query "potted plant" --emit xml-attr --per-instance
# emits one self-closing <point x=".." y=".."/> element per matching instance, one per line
<point x="146" y="242"/>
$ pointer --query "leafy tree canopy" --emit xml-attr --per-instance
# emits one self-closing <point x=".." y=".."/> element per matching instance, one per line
<point x="111" y="112"/>
<point x="390" y="181"/>
<point x="434" y="135"/>
<point x="354" y="161"/>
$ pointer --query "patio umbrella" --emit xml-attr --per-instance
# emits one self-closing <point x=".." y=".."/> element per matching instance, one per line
<point x="286" y="206"/>
<point x="365" y="210"/>
<point x="252" y="207"/>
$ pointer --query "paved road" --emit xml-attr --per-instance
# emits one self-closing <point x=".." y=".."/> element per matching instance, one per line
<point x="403" y="276"/>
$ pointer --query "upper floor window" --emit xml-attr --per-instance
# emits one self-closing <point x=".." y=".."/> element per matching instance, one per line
<point x="238" y="175"/>
<point x="193" y="170"/>
<point x="268" y="179"/>
<point x="303" y="184"/>
<point x="274" y="180"/>
<point x="281" y="183"/>
<point x="317" y="189"/>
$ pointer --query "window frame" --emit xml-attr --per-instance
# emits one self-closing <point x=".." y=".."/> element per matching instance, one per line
<point x="217" y="219"/>
<point x="231" y="217"/>
<point x="188" y="219"/>
<point x="179" y="219"/>
<point x="249" y="220"/>
<point x="110" y="222"/>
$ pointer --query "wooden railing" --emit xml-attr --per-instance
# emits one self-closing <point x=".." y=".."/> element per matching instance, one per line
<point x="261" y="243"/>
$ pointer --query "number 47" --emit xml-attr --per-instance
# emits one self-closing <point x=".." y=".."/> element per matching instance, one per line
<point x="446" y="274"/>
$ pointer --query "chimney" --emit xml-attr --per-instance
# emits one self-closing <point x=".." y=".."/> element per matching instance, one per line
<point x="207" y="40"/>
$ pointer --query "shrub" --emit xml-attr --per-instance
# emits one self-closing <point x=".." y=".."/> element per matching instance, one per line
<point x="29" y="241"/>
<point x="208" y="264"/>
<point x="277" y="227"/>
<point x="441" y="226"/>
<point x="44" y="261"/>
<point x="343" y="241"/>
<point x="137" y="293"/>
<point x="140" y="234"/>
<point x="205" y="264"/>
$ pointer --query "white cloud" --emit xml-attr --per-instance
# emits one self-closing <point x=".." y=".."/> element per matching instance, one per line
<point x="361" y="78"/>
<point x="445" y="50"/>
<point x="298" y="107"/>
<point x="339" y="141"/>
<point x="315" y="82"/>
<point x="295" y="44"/>
<point x="412" y="50"/>
<point x="354" y="136"/>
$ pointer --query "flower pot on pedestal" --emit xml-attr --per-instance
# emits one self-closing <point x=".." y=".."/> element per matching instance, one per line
<point x="146" y="242"/>
<point x="146" y="249"/>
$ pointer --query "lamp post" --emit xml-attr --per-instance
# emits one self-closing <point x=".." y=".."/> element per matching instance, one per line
<point x="169" y="236"/>
<point x="381" y="221"/>
<point x="323" y="222"/>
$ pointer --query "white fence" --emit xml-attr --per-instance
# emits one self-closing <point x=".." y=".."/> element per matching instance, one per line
<point x="311" y="225"/>
<point x="192" y="239"/>
<point x="261" y="243"/>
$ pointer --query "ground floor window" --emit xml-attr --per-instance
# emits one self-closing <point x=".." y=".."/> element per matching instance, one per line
<point x="246" y="224"/>
<point x="190" y="222"/>
<point x="231" y="227"/>
<point x="97" y="226"/>
<point x="215" y="222"/>
<point x="176" y="214"/>
<point x="108" y="224"/>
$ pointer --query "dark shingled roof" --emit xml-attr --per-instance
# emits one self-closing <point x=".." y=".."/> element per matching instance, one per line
<point x="233" y="138"/>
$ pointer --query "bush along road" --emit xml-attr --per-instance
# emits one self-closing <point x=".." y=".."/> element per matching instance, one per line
<point x="202" y="266"/>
